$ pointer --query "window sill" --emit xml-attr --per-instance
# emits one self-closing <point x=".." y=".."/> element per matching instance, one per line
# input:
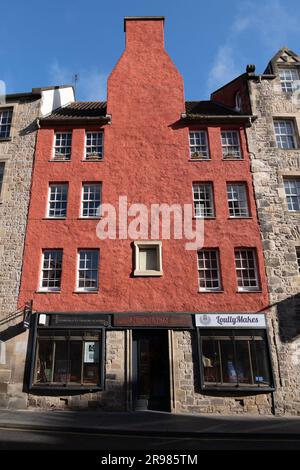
<point x="199" y="159"/>
<point x="85" y="291"/>
<point x="219" y="291"/>
<point x="57" y="160"/>
<point x="48" y="291"/>
<point x="93" y="160"/>
<point x="5" y="139"/>
<point x="240" y="218"/>
<point x="232" y="159"/>
<point x="147" y="273"/>
<point x="90" y="218"/>
<point x="54" y="218"/>
<point x="205" y="218"/>
<point x="45" y="387"/>
<point x="239" y="389"/>
<point x="256" y="291"/>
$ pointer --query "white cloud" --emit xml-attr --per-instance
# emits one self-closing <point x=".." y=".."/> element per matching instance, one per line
<point x="91" y="85"/>
<point x="241" y="24"/>
<point x="223" y="69"/>
<point x="271" y="22"/>
<point x="59" y="75"/>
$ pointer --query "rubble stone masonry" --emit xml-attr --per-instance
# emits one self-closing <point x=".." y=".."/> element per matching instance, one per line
<point x="280" y="231"/>
<point x="17" y="154"/>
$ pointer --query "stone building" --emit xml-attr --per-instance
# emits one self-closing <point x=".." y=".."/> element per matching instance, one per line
<point x="18" y="126"/>
<point x="132" y="319"/>
<point x="273" y="100"/>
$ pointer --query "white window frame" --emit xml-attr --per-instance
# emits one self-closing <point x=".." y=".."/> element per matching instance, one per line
<point x="207" y="189"/>
<point x="87" y="289"/>
<point x="245" y="267"/>
<point x="157" y="245"/>
<point x="208" y="263"/>
<point x="94" y="184"/>
<point x="203" y="149"/>
<point x="291" y="195"/>
<point x="298" y="257"/>
<point x="240" y="189"/>
<point x="47" y="288"/>
<point x="281" y="136"/>
<point x="287" y="77"/>
<point x="52" y="185"/>
<point x="97" y="156"/>
<point x="62" y="156"/>
<point x="7" y="124"/>
<point x="236" y="152"/>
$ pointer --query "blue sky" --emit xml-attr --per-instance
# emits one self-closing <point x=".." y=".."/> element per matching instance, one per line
<point x="45" y="43"/>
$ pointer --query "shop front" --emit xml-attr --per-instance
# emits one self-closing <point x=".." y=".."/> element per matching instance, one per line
<point x="234" y="352"/>
<point x="111" y="361"/>
<point x="202" y="363"/>
<point x="68" y="352"/>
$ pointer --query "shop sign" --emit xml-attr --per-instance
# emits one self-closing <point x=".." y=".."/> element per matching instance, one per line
<point x="230" y="320"/>
<point x="84" y="320"/>
<point x="153" y="320"/>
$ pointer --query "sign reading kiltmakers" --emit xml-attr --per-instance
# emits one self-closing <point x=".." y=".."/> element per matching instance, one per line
<point x="230" y="320"/>
<point x="148" y="320"/>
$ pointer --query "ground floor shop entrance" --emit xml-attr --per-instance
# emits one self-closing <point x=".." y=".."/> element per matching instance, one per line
<point x="151" y="375"/>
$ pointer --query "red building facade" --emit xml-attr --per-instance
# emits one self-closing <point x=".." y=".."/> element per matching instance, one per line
<point x="164" y="325"/>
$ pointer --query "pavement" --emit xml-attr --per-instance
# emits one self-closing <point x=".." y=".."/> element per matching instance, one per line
<point x="151" y="423"/>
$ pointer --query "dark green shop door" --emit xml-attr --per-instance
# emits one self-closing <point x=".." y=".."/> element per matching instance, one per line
<point x="151" y="375"/>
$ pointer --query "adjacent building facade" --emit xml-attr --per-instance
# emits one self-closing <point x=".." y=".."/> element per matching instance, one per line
<point x="18" y="127"/>
<point x="273" y="139"/>
<point x="142" y="322"/>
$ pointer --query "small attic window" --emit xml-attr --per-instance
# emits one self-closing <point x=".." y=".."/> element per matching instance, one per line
<point x="238" y="102"/>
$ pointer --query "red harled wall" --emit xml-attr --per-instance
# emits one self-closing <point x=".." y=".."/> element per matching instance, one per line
<point x="146" y="157"/>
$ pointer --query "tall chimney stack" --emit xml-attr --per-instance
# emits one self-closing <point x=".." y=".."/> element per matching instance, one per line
<point x="144" y="32"/>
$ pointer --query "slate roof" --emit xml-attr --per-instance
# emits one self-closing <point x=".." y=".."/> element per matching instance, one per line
<point x="80" y="110"/>
<point x="96" y="111"/>
<point x="208" y="108"/>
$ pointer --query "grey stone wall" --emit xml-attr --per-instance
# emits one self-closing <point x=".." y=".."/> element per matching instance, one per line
<point x="17" y="153"/>
<point x="280" y="230"/>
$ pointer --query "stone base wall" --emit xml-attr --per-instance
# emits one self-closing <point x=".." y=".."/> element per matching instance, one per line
<point x="286" y="361"/>
<point x="12" y="371"/>
<point x="190" y="399"/>
<point x="187" y="397"/>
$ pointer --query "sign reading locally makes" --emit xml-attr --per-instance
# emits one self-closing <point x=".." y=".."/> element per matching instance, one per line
<point x="153" y="320"/>
<point x="230" y="320"/>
